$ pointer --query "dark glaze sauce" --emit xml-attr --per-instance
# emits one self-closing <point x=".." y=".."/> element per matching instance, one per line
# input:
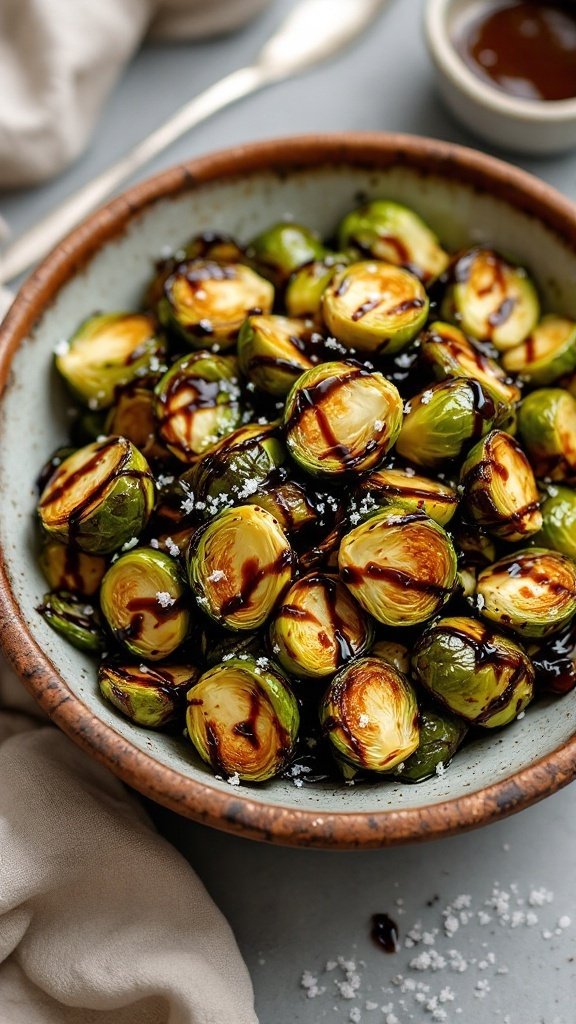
<point x="203" y="394"/>
<point x="555" y="662"/>
<point x="385" y="933"/>
<point x="142" y="605"/>
<point x="334" y="633"/>
<point x="247" y="728"/>
<point x="252" y="574"/>
<point x="527" y="49"/>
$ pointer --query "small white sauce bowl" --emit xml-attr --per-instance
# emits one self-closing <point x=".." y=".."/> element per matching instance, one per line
<point x="526" y="126"/>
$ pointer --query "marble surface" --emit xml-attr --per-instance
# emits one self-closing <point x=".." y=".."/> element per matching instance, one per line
<point x="294" y="910"/>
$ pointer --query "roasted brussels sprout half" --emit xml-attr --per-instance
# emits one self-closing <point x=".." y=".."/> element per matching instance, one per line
<point x="375" y="307"/>
<point x="441" y="734"/>
<point x="243" y="719"/>
<point x="554" y="661"/>
<point x="491" y="299"/>
<point x="399" y="565"/>
<point x="209" y="245"/>
<point x="388" y="231"/>
<point x="547" y="353"/>
<point x="236" y="469"/>
<point x="149" y="696"/>
<point x="197" y="403"/>
<point x="476" y="548"/>
<point x="395" y="654"/>
<point x="370" y="715"/>
<point x="341" y="418"/>
<point x="318" y="627"/>
<point x="99" y="498"/>
<point x="132" y="416"/>
<point x="547" y="426"/>
<point x="68" y="568"/>
<point x="289" y="503"/>
<point x="303" y="294"/>
<point x="419" y="493"/>
<point x="106" y="352"/>
<point x="144" y="603"/>
<point x="442" y="421"/>
<point x="558" y="510"/>
<point x="531" y="592"/>
<point x="273" y="351"/>
<point x="74" y="618"/>
<point x="476" y="673"/>
<point x="205" y="302"/>
<point x="239" y="565"/>
<point x="500" y="488"/>
<point x="449" y="353"/>
<point x="282" y="248"/>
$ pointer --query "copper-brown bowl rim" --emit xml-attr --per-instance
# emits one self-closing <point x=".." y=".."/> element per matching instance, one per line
<point x="235" y="811"/>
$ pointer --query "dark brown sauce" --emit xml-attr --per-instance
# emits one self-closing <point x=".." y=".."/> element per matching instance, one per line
<point x="247" y="728"/>
<point x="139" y="606"/>
<point x="253" y="572"/>
<point x="555" y="662"/>
<point x="385" y="933"/>
<point x="526" y="49"/>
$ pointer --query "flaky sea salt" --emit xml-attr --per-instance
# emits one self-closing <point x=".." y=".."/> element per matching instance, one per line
<point x="130" y="544"/>
<point x="233" y="780"/>
<point x="164" y="599"/>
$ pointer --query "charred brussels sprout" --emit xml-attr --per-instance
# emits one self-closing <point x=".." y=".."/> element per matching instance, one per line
<point x="375" y="307"/>
<point x="243" y="719"/>
<point x="197" y="402"/>
<point x="370" y="715"/>
<point x="441" y="735"/>
<point x="282" y="248"/>
<point x="99" y="497"/>
<point x="418" y="493"/>
<point x="449" y="353"/>
<point x="558" y="521"/>
<point x="500" y="488"/>
<point x="209" y="245"/>
<point x="531" y="592"/>
<point x="144" y="602"/>
<point x="289" y="503"/>
<point x="132" y="416"/>
<point x="399" y="565"/>
<point x="238" y="566"/>
<point x="476" y="673"/>
<point x="442" y="421"/>
<point x="207" y="302"/>
<point x="236" y="469"/>
<point x="75" y="619"/>
<point x="547" y="426"/>
<point x="303" y="295"/>
<point x="341" y="418"/>
<point x="318" y="627"/>
<point x="67" y="568"/>
<point x="273" y="352"/>
<point x="391" y="232"/>
<point x="395" y="654"/>
<point x="106" y="352"/>
<point x="491" y="299"/>
<point x="547" y="353"/>
<point x="151" y="697"/>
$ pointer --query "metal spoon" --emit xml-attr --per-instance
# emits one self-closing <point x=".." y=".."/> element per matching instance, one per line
<point x="313" y="31"/>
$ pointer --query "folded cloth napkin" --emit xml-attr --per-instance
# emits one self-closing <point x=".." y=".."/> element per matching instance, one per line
<point x="60" y="58"/>
<point x="101" y="920"/>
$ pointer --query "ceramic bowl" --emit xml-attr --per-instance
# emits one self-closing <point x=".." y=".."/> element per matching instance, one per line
<point x="527" y="126"/>
<point x="104" y="264"/>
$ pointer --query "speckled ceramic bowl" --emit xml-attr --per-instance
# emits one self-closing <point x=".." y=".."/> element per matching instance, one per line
<point x="103" y="265"/>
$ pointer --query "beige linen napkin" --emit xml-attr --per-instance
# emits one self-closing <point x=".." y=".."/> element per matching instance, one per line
<point x="60" y="58"/>
<point x="101" y="920"/>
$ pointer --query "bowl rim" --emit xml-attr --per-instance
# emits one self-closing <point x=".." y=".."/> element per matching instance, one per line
<point x="235" y="811"/>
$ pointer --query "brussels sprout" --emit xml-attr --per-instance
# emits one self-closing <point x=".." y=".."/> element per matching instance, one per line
<point x="449" y="353"/>
<point x="243" y="719"/>
<point x="143" y="600"/>
<point x="99" y="497"/>
<point x="441" y="734"/>
<point x="67" y="568"/>
<point x="235" y="469"/>
<point x="197" y="403"/>
<point x="547" y="353"/>
<point x="389" y="231"/>
<point x="441" y="421"/>
<point x="491" y="299"/>
<point x="500" y="488"/>
<point x="476" y="547"/>
<point x="204" y="301"/>
<point x="232" y="645"/>
<point x="554" y="661"/>
<point x="282" y="248"/>
<point x="483" y="677"/>
<point x="341" y="418"/>
<point x="303" y="295"/>
<point x="209" y="245"/>
<point x="289" y="503"/>
<point x="399" y="565"/>
<point x="547" y="426"/>
<point x="375" y="307"/>
<point x="239" y="565"/>
<point x="132" y="416"/>
<point x="370" y="716"/>
<point x="107" y="351"/>
<point x="273" y="352"/>
<point x="531" y="592"/>
<point x="395" y="654"/>
<point x="74" y="619"/>
<point x="318" y="627"/>
<point x="152" y="697"/>
<point x="558" y="521"/>
<point x="404" y="487"/>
